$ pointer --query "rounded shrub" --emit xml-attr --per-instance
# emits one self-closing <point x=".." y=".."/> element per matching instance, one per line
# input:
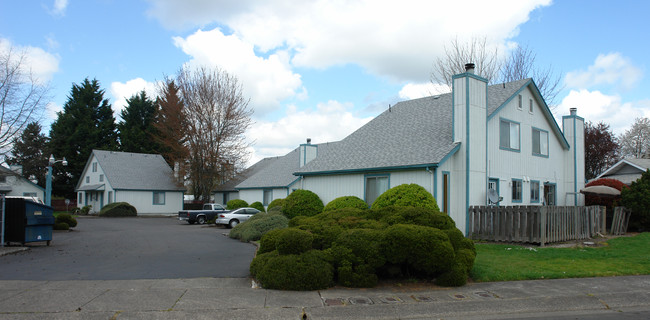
<point x="276" y="203"/>
<point x="346" y="202"/>
<point x="466" y="257"/>
<point x="236" y="204"/>
<point x="268" y="241"/>
<point x="406" y="195"/>
<point x="118" y="209"/>
<point x="261" y="223"/>
<point x="67" y="219"/>
<point x="61" y="226"/>
<point x="293" y="241"/>
<point x="302" y="203"/>
<point x="455" y="277"/>
<point x="421" y="250"/>
<point x="258" y="205"/>
<point x="260" y="260"/>
<point x="412" y="215"/>
<point x="306" y="271"/>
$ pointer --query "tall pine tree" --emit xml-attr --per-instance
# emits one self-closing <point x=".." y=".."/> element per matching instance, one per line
<point x="136" y="129"/>
<point x="29" y="150"/>
<point x="86" y="123"/>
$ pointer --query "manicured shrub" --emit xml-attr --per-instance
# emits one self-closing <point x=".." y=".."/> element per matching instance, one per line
<point x="61" y="226"/>
<point x="420" y="250"/>
<point x="406" y="195"/>
<point x="269" y="240"/>
<point x="455" y="277"/>
<point x="346" y="202"/>
<point x="276" y="203"/>
<point x="357" y="253"/>
<point x="118" y="209"/>
<point x="261" y="223"/>
<point x="260" y="260"/>
<point x="236" y="204"/>
<point x="275" y="210"/>
<point x="466" y="257"/>
<point x="327" y="226"/>
<point x="293" y="241"/>
<point x="412" y="215"/>
<point x="258" y="205"/>
<point x="307" y="271"/>
<point x="637" y="198"/>
<point x="67" y="219"/>
<point x="302" y="203"/>
<point x="361" y="276"/>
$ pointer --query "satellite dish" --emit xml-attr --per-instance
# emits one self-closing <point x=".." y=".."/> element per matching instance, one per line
<point x="493" y="196"/>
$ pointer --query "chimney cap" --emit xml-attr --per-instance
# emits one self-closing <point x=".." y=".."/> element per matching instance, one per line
<point x="469" y="67"/>
<point x="573" y="111"/>
<point x="308" y="140"/>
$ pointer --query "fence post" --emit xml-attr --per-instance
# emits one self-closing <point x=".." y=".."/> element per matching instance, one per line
<point x="542" y="225"/>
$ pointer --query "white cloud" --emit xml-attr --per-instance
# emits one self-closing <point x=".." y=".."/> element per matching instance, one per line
<point x="58" y="9"/>
<point x="419" y="90"/>
<point x="595" y="106"/>
<point x="331" y="121"/>
<point x="39" y="62"/>
<point x="267" y="81"/>
<point x="398" y="40"/>
<point x="123" y="91"/>
<point x="610" y="69"/>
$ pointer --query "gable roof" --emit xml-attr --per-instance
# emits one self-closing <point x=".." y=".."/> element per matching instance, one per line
<point x="279" y="173"/>
<point x="229" y="186"/>
<point x="614" y="172"/>
<point x="412" y="134"/>
<point x="8" y="172"/>
<point x="134" y="171"/>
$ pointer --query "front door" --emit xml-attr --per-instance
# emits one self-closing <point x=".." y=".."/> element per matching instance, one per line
<point x="549" y="194"/>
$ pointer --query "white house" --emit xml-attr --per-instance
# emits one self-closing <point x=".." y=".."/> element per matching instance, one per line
<point x="457" y="146"/>
<point x="12" y="183"/>
<point x="626" y="170"/>
<point x="143" y="180"/>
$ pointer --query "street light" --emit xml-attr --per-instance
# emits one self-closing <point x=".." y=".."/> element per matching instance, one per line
<point x="48" y="182"/>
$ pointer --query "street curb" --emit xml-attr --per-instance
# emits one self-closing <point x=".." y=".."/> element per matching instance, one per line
<point x="11" y="250"/>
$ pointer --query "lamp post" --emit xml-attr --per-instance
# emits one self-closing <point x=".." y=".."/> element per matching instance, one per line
<point x="48" y="181"/>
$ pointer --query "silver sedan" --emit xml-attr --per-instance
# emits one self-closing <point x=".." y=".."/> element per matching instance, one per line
<point x="233" y="218"/>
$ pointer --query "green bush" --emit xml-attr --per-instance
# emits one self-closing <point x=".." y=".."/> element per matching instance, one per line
<point x="293" y="241"/>
<point x="269" y="240"/>
<point x="118" y="209"/>
<point x="261" y="223"/>
<point x="346" y="202"/>
<point x="406" y="195"/>
<point x="260" y="260"/>
<point x="67" y="219"/>
<point x="421" y="251"/>
<point x="275" y="210"/>
<point x="83" y="210"/>
<point x="307" y="271"/>
<point x="276" y="203"/>
<point x="236" y="204"/>
<point x="61" y="226"/>
<point x="637" y="199"/>
<point x="302" y="203"/>
<point x="258" y="205"/>
<point x="327" y="226"/>
<point x="357" y="253"/>
<point x="455" y="277"/>
<point x="412" y="215"/>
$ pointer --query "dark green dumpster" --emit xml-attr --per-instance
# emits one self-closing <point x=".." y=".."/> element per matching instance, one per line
<point x="27" y="221"/>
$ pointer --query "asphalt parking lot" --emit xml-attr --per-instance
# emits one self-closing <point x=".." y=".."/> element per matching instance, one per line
<point x="131" y="248"/>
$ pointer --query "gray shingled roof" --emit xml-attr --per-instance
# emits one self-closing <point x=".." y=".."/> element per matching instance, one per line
<point x="410" y="134"/>
<point x="641" y="162"/>
<point x="230" y="185"/>
<point x="280" y="172"/>
<point x="136" y="171"/>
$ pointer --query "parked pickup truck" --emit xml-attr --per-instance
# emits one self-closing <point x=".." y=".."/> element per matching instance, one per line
<point x="209" y="212"/>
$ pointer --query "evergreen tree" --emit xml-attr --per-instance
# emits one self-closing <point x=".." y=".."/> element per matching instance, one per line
<point x="86" y="123"/>
<point x="170" y="125"/>
<point x="136" y="129"/>
<point x="29" y="150"/>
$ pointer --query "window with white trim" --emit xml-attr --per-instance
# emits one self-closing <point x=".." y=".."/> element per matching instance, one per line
<point x="375" y="186"/>
<point x="534" y="191"/>
<point x="268" y="197"/>
<point x="158" y="198"/>
<point x="94" y="166"/>
<point x="101" y="178"/>
<point x="540" y="142"/>
<point x="521" y="103"/>
<point x="509" y="135"/>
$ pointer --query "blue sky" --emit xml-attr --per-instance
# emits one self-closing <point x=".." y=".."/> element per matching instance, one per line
<point x="321" y="69"/>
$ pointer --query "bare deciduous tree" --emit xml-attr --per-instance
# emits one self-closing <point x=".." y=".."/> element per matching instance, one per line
<point x="519" y="64"/>
<point x="217" y="116"/>
<point x="457" y="54"/>
<point x="22" y="96"/>
<point x="635" y="142"/>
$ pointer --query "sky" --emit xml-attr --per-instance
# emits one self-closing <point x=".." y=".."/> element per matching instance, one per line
<point x="321" y="69"/>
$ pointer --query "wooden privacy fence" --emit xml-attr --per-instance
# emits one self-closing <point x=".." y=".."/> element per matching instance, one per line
<point x="535" y="224"/>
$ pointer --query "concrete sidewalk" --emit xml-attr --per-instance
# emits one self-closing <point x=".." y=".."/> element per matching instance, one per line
<point x="233" y="298"/>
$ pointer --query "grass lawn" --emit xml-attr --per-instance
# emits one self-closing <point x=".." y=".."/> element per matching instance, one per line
<point x="619" y="256"/>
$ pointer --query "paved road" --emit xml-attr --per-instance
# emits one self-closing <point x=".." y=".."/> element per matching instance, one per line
<point x="131" y="248"/>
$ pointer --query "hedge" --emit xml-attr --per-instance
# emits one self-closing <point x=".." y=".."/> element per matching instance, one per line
<point x="67" y="219"/>
<point x="258" y="205"/>
<point x="302" y="203"/>
<point x="254" y="228"/>
<point x="346" y="202"/>
<point x="118" y="209"/>
<point x="275" y="203"/>
<point x="236" y="204"/>
<point x="406" y="195"/>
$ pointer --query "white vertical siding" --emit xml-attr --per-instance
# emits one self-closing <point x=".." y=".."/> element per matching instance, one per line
<point x="331" y="187"/>
<point x="143" y="201"/>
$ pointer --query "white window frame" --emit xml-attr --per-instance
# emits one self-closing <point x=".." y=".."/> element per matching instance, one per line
<point x="539" y="138"/>
<point x="381" y="182"/>
<point x="514" y="131"/>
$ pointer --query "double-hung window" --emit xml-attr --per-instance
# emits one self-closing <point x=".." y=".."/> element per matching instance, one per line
<point x="534" y="191"/>
<point x="509" y="135"/>
<point x="516" y="190"/>
<point x="540" y="142"/>
<point x="268" y="197"/>
<point x="158" y="198"/>
<point x="375" y="186"/>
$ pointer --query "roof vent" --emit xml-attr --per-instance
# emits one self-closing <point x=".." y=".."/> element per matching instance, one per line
<point x="469" y="67"/>
<point x="308" y="140"/>
<point x="436" y="97"/>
